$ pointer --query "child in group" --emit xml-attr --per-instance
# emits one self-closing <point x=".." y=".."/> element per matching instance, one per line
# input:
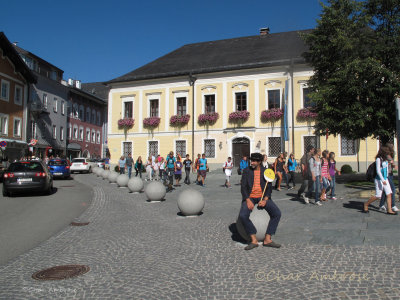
<point x="291" y="165"/>
<point x="332" y="173"/>
<point x="228" y="166"/>
<point x="325" y="174"/>
<point x="156" y="167"/>
<point x="178" y="170"/>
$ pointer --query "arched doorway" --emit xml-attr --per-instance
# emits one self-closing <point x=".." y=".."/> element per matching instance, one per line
<point x="86" y="154"/>
<point x="240" y="147"/>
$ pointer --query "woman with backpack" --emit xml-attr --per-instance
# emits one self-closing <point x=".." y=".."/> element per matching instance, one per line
<point x="391" y="167"/>
<point x="381" y="181"/>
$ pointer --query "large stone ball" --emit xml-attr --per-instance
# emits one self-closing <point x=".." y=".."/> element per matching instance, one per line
<point x="135" y="185"/>
<point x="95" y="169"/>
<point x="99" y="172"/>
<point x="190" y="202"/>
<point x="155" y="191"/>
<point x="122" y="180"/>
<point x="260" y="219"/>
<point x="105" y="174"/>
<point x="113" y="177"/>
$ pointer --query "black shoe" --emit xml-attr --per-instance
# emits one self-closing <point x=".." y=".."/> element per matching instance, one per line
<point x="251" y="246"/>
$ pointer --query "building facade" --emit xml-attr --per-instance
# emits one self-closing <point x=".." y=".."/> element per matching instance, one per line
<point x="15" y="79"/>
<point x="224" y="98"/>
<point x="86" y="120"/>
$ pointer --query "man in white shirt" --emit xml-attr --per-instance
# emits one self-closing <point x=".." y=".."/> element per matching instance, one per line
<point x="228" y="166"/>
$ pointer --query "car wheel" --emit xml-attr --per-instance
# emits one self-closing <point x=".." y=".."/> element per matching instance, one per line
<point x="50" y="190"/>
<point x="90" y="170"/>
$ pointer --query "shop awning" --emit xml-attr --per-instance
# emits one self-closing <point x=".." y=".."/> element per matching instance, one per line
<point x="74" y="146"/>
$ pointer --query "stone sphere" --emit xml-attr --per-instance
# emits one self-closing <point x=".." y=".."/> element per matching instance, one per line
<point x="190" y="202"/>
<point x="105" y="174"/>
<point x="95" y="169"/>
<point x="122" y="180"/>
<point x="113" y="177"/>
<point x="135" y="185"/>
<point x="155" y="191"/>
<point x="260" y="219"/>
<point x="99" y="172"/>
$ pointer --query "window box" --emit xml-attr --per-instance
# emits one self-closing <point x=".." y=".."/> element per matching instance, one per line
<point x="151" y="122"/>
<point x="208" y="118"/>
<point x="178" y="120"/>
<point x="306" y="114"/>
<point x="239" y="116"/>
<point x="126" y="123"/>
<point x="271" y="115"/>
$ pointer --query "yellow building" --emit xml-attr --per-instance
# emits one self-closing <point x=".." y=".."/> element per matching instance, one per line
<point x="252" y="74"/>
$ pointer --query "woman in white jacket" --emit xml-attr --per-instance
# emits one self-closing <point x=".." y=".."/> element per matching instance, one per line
<point x="381" y="181"/>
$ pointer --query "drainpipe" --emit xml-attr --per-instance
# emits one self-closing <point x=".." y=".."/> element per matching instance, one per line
<point x="192" y="81"/>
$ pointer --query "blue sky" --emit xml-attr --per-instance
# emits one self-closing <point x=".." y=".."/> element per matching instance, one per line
<point x="100" y="40"/>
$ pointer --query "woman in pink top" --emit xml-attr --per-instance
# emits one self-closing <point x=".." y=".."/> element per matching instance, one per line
<point x="324" y="174"/>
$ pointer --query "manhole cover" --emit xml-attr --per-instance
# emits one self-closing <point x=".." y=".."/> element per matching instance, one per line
<point x="61" y="272"/>
<point x="79" y="223"/>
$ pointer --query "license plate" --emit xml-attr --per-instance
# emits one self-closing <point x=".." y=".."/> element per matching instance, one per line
<point x="24" y="179"/>
<point x="58" y="173"/>
<point x="78" y="165"/>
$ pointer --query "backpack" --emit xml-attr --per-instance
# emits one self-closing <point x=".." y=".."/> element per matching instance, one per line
<point x="371" y="172"/>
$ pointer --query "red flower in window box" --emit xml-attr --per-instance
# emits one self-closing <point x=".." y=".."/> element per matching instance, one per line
<point x="126" y="123"/>
<point x="208" y="118"/>
<point x="239" y="116"/>
<point x="272" y="115"/>
<point x="306" y="114"/>
<point x="151" y="122"/>
<point x="177" y="120"/>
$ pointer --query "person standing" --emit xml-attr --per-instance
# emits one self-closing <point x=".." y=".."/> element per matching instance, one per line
<point x="188" y="165"/>
<point x="391" y="166"/>
<point x="244" y="163"/>
<point x="196" y="167"/>
<point x="381" y="181"/>
<point x="252" y="187"/>
<point x="292" y="165"/>
<point x="315" y="168"/>
<point x="228" y="166"/>
<point x="326" y="178"/>
<point x="162" y="169"/>
<point x="156" y="167"/>
<point x="332" y="174"/>
<point x="265" y="161"/>
<point x="305" y="171"/>
<point x="129" y="163"/>
<point x="170" y="161"/>
<point x="121" y="163"/>
<point x="203" y="166"/>
<point x="139" y="166"/>
<point x="149" y="169"/>
<point x="178" y="171"/>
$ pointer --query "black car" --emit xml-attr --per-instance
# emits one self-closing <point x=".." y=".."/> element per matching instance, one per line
<point x="27" y="176"/>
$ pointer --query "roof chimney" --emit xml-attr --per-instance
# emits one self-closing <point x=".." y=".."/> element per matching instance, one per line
<point x="15" y="43"/>
<point x="264" y="31"/>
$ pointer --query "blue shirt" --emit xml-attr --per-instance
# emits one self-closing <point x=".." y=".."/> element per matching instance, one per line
<point x="292" y="164"/>
<point x="203" y="164"/>
<point x="244" y="164"/>
<point x="170" y="162"/>
<point x="122" y="163"/>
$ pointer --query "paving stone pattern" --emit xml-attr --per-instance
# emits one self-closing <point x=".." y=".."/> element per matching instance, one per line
<point x="142" y="250"/>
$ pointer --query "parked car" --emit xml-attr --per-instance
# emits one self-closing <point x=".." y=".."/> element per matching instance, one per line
<point x="97" y="162"/>
<point x="59" y="168"/>
<point x="27" y="176"/>
<point x="81" y="165"/>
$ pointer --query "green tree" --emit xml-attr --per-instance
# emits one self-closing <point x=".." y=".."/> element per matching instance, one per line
<point x="354" y="52"/>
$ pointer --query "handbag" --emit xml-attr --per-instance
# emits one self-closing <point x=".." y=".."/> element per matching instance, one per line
<point x="239" y="171"/>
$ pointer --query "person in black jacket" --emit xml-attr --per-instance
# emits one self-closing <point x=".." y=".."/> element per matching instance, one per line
<point x="252" y="187"/>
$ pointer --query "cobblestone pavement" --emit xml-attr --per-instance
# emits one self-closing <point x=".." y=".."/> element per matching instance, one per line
<point x="142" y="250"/>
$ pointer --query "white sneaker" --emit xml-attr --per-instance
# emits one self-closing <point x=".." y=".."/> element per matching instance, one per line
<point x="306" y="200"/>
<point x="394" y="208"/>
<point x="318" y="203"/>
<point x="382" y="208"/>
<point x="333" y="198"/>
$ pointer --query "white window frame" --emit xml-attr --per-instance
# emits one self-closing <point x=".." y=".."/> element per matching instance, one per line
<point x="148" y="147"/>
<point x="69" y="133"/>
<point x="81" y="113"/>
<point x="55" y="104"/>
<point x="61" y="133"/>
<point x="62" y="107"/>
<point x="203" y="105"/>
<point x="347" y="155"/>
<point x="75" y="132"/>
<point x="81" y="136"/>
<point x="131" y="142"/>
<point x="54" y="132"/>
<point x="18" y="101"/>
<point x="302" y="141"/>
<point x="98" y="137"/>
<point x="93" y="139"/>
<point x="87" y="135"/>
<point x="267" y="98"/>
<point x="75" y="111"/>
<point x="153" y="96"/>
<point x="33" y="129"/>
<point x="178" y="94"/>
<point x="88" y="111"/>
<point x="186" y="143"/>
<point x="204" y="149"/>
<point x="267" y="144"/>
<point x="302" y="87"/>
<point x="5" y="128"/>
<point x="234" y="98"/>
<point x="7" y="97"/>
<point x="44" y="101"/>
<point x="130" y="98"/>
<point x="19" y="129"/>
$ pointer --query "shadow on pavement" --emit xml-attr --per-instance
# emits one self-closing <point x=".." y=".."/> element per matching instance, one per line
<point x="235" y="234"/>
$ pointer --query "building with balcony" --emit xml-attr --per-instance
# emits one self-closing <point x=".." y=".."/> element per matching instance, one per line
<point x="15" y="80"/>
<point x="224" y="98"/>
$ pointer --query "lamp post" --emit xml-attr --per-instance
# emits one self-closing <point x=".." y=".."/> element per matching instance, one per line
<point x="192" y="81"/>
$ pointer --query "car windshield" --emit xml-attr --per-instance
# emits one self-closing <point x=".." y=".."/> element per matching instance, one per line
<point x="57" y="163"/>
<point x="29" y="166"/>
<point x="78" y="160"/>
